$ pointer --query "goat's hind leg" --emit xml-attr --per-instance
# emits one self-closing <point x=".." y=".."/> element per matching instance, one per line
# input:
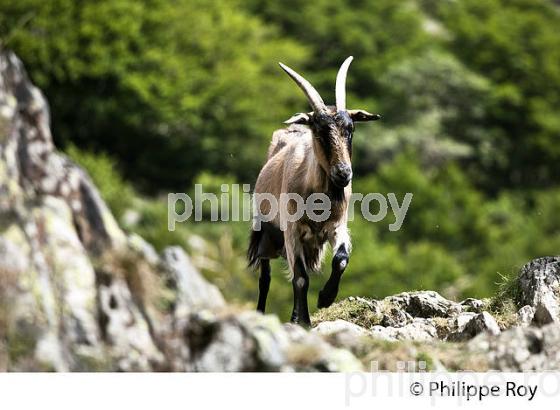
<point x="264" y="244"/>
<point x="264" y="284"/>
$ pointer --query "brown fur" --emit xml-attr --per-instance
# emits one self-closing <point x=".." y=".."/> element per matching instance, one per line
<point x="296" y="164"/>
<point x="311" y="156"/>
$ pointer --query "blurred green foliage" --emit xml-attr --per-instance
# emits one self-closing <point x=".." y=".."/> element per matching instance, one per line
<point x="117" y="192"/>
<point x="516" y="45"/>
<point x="168" y="94"/>
<point x="169" y="88"/>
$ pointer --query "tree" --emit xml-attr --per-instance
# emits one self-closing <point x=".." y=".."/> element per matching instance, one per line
<point x="168" y="88"/>
<point x="515" y="44"/>
<point x="377" y="32"/>
<point x="435" y="105"/>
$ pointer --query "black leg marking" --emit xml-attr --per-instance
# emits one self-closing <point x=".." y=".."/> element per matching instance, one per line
<point x="264" y="284"/>
<point x="330" y="290"/>
<point x="300" y="285"/>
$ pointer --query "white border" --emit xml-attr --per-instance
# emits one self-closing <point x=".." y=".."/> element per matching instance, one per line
<point x="256" y="390"/>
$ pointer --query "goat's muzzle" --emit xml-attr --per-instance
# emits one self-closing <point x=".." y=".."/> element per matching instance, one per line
<point x="341" y="175"/>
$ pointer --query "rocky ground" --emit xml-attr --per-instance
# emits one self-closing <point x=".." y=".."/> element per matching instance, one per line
<point x="77" y="293"/>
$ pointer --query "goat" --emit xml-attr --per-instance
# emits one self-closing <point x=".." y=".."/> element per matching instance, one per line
<point x="312" y="155"/>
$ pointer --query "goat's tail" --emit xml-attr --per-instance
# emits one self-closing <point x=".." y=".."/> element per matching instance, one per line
<point x="253" y="250"/>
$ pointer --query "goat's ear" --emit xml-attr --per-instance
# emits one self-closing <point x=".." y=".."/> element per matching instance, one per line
<point x="299" y="118"/>
<point x="362" y="116"/>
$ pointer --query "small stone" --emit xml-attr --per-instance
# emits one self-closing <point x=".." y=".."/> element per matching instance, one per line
<point x="472" y="305"/>
<point x="545" y="312"/>
<point x="463" y="319"/>
<point x="481" y="323"/>
<point x="525" y="316"/>
<point x="395" y="317"/>
<point x="419" y="330"/>
<point x="341" y="332"/>
<point x="383" y="333"/>
<point x="425" y="304"/>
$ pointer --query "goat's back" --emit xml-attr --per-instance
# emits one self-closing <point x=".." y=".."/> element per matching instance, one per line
<point x="284" y="136"/>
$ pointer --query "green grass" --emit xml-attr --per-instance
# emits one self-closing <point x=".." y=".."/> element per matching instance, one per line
<point x="356" y="311"/>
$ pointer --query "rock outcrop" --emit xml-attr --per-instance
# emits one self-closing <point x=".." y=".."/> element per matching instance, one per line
<point x="78" y="293"/>
<point x="517" y="332"/>
<point x="539" y="288"/>
<point x="521" y="349"/>
<point x="494" y="337"/>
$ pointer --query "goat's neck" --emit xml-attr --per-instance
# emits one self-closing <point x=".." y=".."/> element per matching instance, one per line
<point x="319" y="181"/>
<point x="317" y="178"/>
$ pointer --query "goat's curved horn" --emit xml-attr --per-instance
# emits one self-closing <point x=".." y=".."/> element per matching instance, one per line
<point x="313" y="96"/>
<point x="340" y="87"/>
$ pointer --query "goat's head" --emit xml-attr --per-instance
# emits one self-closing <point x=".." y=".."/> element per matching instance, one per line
<point x="332" y="127"/>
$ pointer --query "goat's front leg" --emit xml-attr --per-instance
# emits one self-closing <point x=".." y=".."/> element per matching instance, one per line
<point x="300" y="284"/>
<point x="340" y="242"/>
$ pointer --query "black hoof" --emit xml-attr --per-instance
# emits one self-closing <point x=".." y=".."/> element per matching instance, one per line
<point x="324" y="300"/>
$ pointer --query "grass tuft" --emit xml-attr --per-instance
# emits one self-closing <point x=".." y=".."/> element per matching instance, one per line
<point x="359" y="311"/>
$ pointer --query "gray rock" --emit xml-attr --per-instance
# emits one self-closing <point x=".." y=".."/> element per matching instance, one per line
<point x="521" y="349"/>
<point x="193" y="291"/>
<point x="219" y="345"/>
<point x="126" y="329"/>
<point x="525" y="316"/>
<point x="250" y="341"/>
<point x="295" y="332"/>
<point x="463" y="319"/>
<point x="481" y="323"/>
<point x="545" y="312"/>
<point x="539" y="287"/>
<point x="342" y="333"/>
<point x="418" y="330"/>
<point x="12" y="257"/>
<point x="395" y="317"/>
<point x="425" y="304"/>
<point x="145" y="250"/>
<point x="54" y="224"/>
<point x="472" y="305"/>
